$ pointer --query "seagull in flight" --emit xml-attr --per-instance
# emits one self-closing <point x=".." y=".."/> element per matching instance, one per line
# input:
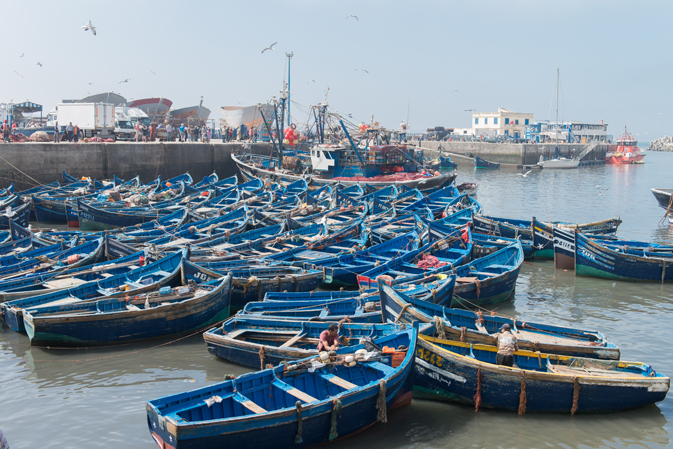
<point x="452" y="90"/>
<point x="89" y="84"/>
<point x="270" y="47"/>
<point x="18" y="73"/>
<point x="39" y="63"/>
<point x="310" y="81"/>
<point x="89" y="26"/>
<point x="21" y="55"/>
<point x="468" y="110"/>
<point x="153" y="72"/>
<point x="363" y="70"/>
<point x="125" y="81"/>
<point x="601" y="190"/>
<point x="353" y="15"/>
<point x="525" y="174"/>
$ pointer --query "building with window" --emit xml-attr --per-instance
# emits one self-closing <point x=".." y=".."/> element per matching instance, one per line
<point x="501" y="123"/>
<point x="571" y="132"/>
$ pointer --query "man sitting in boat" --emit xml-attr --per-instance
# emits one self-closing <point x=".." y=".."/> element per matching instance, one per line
<point x="329" y="339"/>
<point x="507" y="344"/>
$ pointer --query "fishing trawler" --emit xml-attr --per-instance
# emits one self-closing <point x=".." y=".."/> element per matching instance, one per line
<point x="627" y="151"/>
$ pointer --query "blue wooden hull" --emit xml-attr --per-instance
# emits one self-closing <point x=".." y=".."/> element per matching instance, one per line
<point x="93" y="219"/>
<point x="449" y="376"/>
<point x="22" y="214"/>
<point x="483" y="163"/>
<point x="275" y="423"/>
<point x="497" y="274"/>
<point x="124" y="326"/>
<point x="596" y="260"/>
<point x="48" y="211"/>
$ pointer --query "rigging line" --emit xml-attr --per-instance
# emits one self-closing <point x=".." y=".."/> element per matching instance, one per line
<point x="23" y="173"/>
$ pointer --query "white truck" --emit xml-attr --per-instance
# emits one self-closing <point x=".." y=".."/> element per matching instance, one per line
<point x="123" y="126"/>
<point x="93" y="119"/>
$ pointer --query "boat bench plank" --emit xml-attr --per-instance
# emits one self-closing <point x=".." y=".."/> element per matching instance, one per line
<point x="343" y="383"/>
<point x="247" y="403"/>
<point x="466" y="280"/>
<point x="293" y="391"/>
<point x="293" y="340"/>
<point x="378" y="366"/>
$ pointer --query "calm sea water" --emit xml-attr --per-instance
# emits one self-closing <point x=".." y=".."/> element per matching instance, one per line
<point x="56" y="398"/>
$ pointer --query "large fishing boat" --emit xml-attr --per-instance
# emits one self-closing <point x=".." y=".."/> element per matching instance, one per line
<point x="626" y="152"/>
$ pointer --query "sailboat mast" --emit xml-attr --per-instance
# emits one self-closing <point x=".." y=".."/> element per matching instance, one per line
<point x="557" y="86"/>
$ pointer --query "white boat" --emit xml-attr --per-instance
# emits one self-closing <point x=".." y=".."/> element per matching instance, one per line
<point x="250" y="116"/>
<point x="559" y="163"/>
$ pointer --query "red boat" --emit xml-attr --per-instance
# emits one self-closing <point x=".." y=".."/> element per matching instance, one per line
<point x="626" y="152"/>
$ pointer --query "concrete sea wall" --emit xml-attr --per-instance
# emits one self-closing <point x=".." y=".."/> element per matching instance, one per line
<point x="510" y="153"/>
<point x="27" y="164"/>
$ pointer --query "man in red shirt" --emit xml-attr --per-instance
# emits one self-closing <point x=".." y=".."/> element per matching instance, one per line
<point x="329" y="339"/>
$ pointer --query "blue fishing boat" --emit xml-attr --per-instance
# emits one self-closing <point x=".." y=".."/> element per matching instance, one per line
<point x="331" y="310"/>
<point x="65" y="277"/>
<point x="94" y="219"/>
<point x="143" y="279"/>
<point x="543" y="239"/>
<point x="483" y="163"/>
<point x="485" y="244"/>
<point x="168" y="312"/>
<point x="397" y="306"/>
<point x="256" y="342"/>
<point x="345" y="268"/>
<point x="289" y="405"/>
<point x="488" y="280"/>
<point x="252" y="283"/>
<point x="593" y="258"/>
<point x="18" y="214"/>
<point x="503" y="227"/>
<point x="467" y="373"/>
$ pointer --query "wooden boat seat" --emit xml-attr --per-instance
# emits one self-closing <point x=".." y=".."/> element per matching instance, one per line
<point x="106" y="275"/>
<point x="293" y="340"/>
<point x="486" y="273"/>
<point x="236" y="333"/>
<point x="466" y="280"/>
<point x="343" y="383"/>
<point x="378" y="366"/>
<point x="505" y="267"/>
<point x="247" y="403"/>
<point x="63" y="283"/>
<point x="340" y="248"/>
<point x="293" y="391"/>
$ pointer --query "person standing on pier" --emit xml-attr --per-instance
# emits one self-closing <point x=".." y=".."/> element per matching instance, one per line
<point x="75" y="135"/>
<point x="5" y="132"/>
<point x="56" y="133"/>
<point x="507" y="344"/>
<point x="182" y="132"/>
<point x="69" y="131"/>
<point x="169" y="131"/>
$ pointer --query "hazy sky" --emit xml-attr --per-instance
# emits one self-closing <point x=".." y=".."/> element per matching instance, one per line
<point x="614" y="56"/>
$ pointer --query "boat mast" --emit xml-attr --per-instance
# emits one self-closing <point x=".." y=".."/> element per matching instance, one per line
<point x="556" y="134"/>
<point x="289" y="59"/>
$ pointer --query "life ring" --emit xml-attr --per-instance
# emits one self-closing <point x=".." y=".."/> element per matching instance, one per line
<point x="293" y="126"/>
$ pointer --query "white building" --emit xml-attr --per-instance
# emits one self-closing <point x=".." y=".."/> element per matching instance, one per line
<point x="501" y="123"/>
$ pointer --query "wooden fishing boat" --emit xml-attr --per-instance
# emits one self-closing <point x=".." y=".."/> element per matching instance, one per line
<point x="397" y="306"/>
<point x="176" y="311"/>
<point x="143" y="279"/>
<point x="484" y="244"/>
<point x="252" y="283"/>
<point x="593" y="258"/>
<point x="466" y="373"/>
<point x="54" y="258"/>
<point x="345" y="268"/>
<point x="250" y="171"/>
<point x="254" y="342"/>
<point x="488" y="280"/>
<point x="65" y="277"/>
<point x="289" y="405"/>
<point x="18" y="214"/>
<point x="503" y="227"/>
<point x="483" y="163"/>
<point x="663" y="197"/>
<point x="543" y="239"/>
<point x="93" y="219"/>
<point x="331" y="310"/>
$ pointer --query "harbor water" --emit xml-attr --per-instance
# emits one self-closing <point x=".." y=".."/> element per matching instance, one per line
<point x="68" y="398"/>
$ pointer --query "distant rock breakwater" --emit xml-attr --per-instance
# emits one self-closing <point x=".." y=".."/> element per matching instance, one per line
<point x="662" y="144"/>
